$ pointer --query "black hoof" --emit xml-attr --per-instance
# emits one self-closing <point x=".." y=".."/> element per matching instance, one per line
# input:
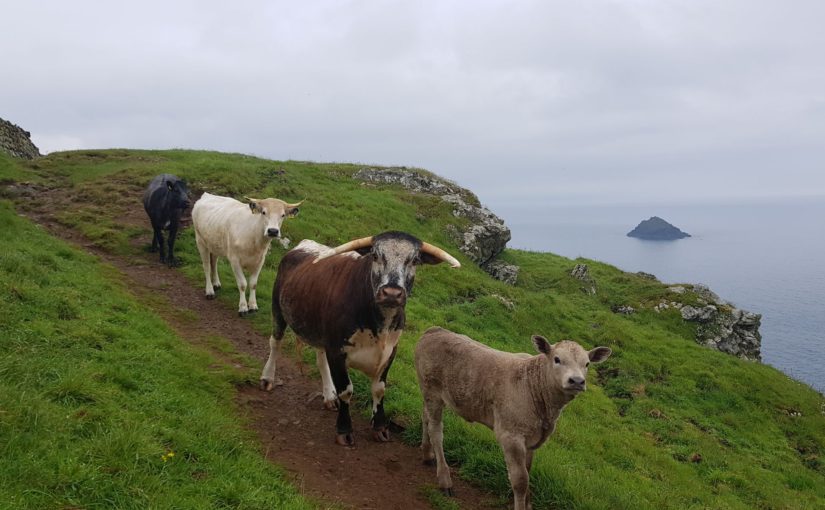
<point x="210" y="296"/>
<point x="216" y="287"/>
<point x="253" y="310"/>
<point x="174" y="263"/>
<point x="345" y="439"/>
<point x="449" y="492"/>
<point x="242" y="313"/>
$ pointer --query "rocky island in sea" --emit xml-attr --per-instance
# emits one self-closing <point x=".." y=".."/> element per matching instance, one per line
<point x="657" y="229"/>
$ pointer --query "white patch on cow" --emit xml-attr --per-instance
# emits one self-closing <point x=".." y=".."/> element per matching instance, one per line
<point x="370" y="354"/>
<point x="378" y="387"/>
<point x="328" y="389"/>
<point x="346" y="395"/>
<point x="317" y="249"/>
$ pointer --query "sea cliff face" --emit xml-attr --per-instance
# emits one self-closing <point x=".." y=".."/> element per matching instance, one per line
<point x="16" y="141"/>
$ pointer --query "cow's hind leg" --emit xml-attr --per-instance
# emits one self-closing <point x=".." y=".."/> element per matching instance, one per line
<point x="268" y="380"/>
<point x="327" y="387"/>
<point x="213" y="271"/>
<point x="380" y="428"/>
<point x="206" y="257"/>
<point x="159" y="239"/>
<point x="433" y="408"/>
<point x="240" y="279"/>
<point x="340" y="378"/>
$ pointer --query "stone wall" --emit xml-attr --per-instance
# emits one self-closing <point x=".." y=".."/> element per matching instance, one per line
<point x="16" y="141"/>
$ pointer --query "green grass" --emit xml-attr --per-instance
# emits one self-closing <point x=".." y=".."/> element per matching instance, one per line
<point x="665" y="424"/>
<point x="102" y="405"/>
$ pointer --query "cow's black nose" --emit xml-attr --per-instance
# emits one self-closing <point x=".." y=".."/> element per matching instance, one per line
<point x="272" y="232"/>
<point x="576" y="381"/>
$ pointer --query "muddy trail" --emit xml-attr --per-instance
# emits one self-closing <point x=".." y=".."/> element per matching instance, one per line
<point x="295" y="431"/>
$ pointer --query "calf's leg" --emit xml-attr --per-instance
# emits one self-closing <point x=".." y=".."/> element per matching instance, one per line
<point x="515" y="456"/>
<point x="340" y="378"/>
<point x="203" y="250"/>
<point x="433" y="408"/>
<point x="173" y="235"/>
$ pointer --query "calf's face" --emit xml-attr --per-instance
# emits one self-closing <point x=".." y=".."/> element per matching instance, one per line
<point x="567" y="363"/>
<point x="270" y="213"/>
<point x="178" y="194"/>
<point x="395" y="256"/>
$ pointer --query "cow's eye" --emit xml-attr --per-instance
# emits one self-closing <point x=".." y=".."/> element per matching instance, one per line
<point x="557" y="360"/>
<point x="283" y="216"/>
<point x="587" y="364"/>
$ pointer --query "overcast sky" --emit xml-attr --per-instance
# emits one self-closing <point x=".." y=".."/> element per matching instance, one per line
<point x="545" y="102"/>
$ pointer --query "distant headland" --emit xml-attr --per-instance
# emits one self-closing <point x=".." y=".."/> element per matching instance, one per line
<point x="656" y="229"/>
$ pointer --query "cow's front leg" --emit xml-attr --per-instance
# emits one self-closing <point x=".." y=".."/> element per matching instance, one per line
<point x="240" y="279"/>
<point x="170" y="259"/>
<point x="253" y="284"/>
<point x="515" y="456"/>
<point x="340" y="378"/>
<point x="380" y="425"/>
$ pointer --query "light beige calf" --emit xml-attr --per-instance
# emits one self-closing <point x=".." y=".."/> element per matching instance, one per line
<point x="518" y="396"/>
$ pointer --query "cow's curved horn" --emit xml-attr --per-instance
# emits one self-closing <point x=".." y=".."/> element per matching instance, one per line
<point x="296" y="204"/>
<point x="437" y="252"/>
<point x="350" y="246"/>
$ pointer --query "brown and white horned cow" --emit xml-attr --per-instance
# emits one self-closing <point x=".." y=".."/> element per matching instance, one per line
<point x="518" y="396"/>
<point x="348" y="302"/>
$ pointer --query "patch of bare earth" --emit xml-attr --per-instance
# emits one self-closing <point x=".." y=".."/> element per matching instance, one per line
<point x="294" y="429"/>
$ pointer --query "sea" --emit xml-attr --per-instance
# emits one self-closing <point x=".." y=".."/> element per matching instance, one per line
<point x="764" y="256"/>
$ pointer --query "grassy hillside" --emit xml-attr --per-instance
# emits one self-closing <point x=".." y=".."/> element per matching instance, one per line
<point x="665" y="423"/>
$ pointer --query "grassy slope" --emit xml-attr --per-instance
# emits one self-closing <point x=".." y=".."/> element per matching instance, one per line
<point x="628" y="442"/>
<point x="95" y="390"/>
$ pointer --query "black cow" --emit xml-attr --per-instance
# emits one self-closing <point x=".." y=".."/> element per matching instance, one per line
<point x="348" y="303"/>
<point x="165" y="199"/>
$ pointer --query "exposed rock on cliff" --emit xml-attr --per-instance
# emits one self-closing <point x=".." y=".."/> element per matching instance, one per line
<point x="720" y="325"/>
<point x="656" y="229"/>
<point x="485" y="236"/>
<point x="582" y="272"/>
<point x="16" y="141"/>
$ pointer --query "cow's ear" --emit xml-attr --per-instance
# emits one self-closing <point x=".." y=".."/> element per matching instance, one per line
<point x="426" y="258"/>
<point x="599" y="354"/>
<point x="542" y="345"/>
<point x="293" y="212"/>
<point x="253" y="206"/>
<point x="170" y="185"/>
<point x="363" y="251"/>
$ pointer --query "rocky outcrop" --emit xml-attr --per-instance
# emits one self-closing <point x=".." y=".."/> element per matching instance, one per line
<point x="485" y="235"/>
<point x="582" y="272"/>
<point x="657" y="229"/>
<point x="720" y="325"/>
<point x="16" y="141"/>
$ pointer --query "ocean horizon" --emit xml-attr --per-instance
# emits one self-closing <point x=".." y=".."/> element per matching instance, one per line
<point x="767" y="257"/>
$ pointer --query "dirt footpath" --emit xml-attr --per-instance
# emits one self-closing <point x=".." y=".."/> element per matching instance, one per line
<point x="294" y="429"/>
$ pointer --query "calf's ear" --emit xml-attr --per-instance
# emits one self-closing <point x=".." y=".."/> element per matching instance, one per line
<point x="253" y="206"/>
<point x="293" y="212"/>
<point x="599" y="354"/>
<point x="542" y="345"/>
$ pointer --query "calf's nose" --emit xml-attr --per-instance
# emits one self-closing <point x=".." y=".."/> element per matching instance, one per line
<point x="272" y="232"/>
<point x="576" y="381"/>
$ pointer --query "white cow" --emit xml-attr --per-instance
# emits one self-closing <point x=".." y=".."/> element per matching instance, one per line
<point x="241" y="232"/>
